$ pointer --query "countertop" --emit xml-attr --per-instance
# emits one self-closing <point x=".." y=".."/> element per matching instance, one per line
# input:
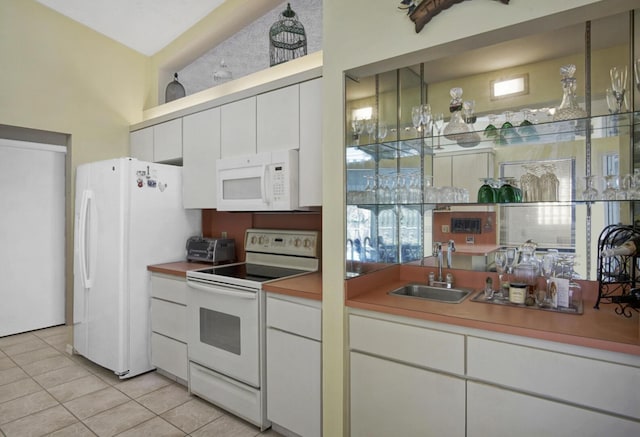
<point x="307" y="286"/>
<point x="601" y="329"/>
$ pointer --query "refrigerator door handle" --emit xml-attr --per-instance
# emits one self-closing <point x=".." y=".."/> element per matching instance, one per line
<point x="86" y="222"/>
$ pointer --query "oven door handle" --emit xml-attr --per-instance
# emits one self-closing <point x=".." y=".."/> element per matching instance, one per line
<point x="238" y="293"/>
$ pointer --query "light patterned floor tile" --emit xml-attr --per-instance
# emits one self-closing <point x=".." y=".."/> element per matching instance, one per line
<point x="12" y="374"/>
<point x="76" y="430"/>
<point x="47" y="365"/>
<point x="17" y="389"/>
<point x="15" y="339"/>
<point x="6" y="363"/>
<point x="40" y="423"/>
<point x="104" y="374"/>
<point x="60" y="376"/>
<point x="36" y="355"/>
<point x="143" y="384"/>
<point x="156" y="427"/>
<point x="96" y="402"/>
<point x="57" y="339"/>
<point x="118" y="419"/>
<point x="53" y="331"/>
<point x="165" y="398"/>
<point x="227" y="426"/>
<point x="25" y="405"/>
<point x="75" y="389"/>
<point x="32" y="344"/>
<point x="192" y="415"/>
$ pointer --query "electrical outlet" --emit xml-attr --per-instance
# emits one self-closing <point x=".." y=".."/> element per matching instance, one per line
<point x="224" y="234"/>
<point x="445" y="229"/>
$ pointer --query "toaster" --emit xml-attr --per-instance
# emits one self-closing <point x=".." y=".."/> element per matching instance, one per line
<point x="213" y="250"/>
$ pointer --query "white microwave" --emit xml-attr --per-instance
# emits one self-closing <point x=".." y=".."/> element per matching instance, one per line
<point x="261" y="182"/>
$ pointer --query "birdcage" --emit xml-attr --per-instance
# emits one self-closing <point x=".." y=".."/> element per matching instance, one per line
<point x="287" y="39"/>
<point x="174" y="90"/>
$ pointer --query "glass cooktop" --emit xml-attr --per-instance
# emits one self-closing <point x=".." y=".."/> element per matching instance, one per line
<point x="253" y="272"/>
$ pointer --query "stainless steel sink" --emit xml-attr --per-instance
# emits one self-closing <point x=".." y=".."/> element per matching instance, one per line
<point x="438" y="294"/>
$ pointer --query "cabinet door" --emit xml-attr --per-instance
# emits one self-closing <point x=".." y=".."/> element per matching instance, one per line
<point x="141" y="144"/>
<point x="169" y="355"/>
<point x="392" y="399"/>
<point x="294" y="388"/>
<point x="201" y="149"/>
<point x="310" y="164"/>
<point x="167" y="141"/>
<point x="498" y="412"/>
<point x="238" y="128"/>
<point x="278" y="119"/>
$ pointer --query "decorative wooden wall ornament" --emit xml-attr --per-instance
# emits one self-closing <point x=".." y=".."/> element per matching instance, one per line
<point x="427" y="9"/>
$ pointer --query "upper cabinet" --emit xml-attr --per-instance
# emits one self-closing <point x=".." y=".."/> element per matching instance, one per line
<point x="159" y="143"/>
<point x="201" y="147"/>
<point x="278" y="119"/>
<point x="310" y="164"/>
<point x="238" y="128"/>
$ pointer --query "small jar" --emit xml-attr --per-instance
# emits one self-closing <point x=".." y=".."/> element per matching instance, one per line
<point x="517" y="292"/>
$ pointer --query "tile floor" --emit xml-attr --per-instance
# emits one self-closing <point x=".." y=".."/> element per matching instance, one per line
<point x="45" y="391"/>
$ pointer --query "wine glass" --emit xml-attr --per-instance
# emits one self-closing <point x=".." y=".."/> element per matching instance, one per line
<point x="426" y="118"/>
<point x="416" y="118"/>
<point x="371" y="127"/>
<point x="438" y="124"/>
<point x="382" y="131"/>
<point x="611" y="181"/>
<point x="636" y="67"/>
<point x="500" y="259"/>
<point x="547" y="267"/>
<point x="357" y="126"/>
<point x="619" y="84"/>
<point x="590" y="193"/>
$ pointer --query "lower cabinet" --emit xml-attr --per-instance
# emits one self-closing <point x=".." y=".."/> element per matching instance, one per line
<point x="294" y="365"/>
<point x="393" y="399"/>
<point x="169" y="325"/>
<point x="496" y="412"/>
<point x="412" y="377"/>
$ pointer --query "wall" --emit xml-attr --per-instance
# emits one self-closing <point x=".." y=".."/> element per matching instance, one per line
<point x="385" y="40"/>
<point x="60" y="76"/>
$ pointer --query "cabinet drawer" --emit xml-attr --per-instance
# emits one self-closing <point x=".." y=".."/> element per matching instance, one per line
<point x="169" y="319"/>
<point x="411" y="344"/>
<point x="584" y="381"/>
<point x="174" y="290"/>
<point x="169" y="355"/>
<point x="297" y="318"/>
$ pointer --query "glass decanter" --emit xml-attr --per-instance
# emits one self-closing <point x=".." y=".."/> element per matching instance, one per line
<point x="569" y="108"/>
<point x="456" y="127"/>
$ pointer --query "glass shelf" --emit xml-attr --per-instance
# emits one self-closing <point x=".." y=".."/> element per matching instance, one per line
<point x="602" y="126"/>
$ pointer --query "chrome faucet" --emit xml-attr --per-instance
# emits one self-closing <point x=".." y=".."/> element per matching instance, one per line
<point x="451" y="247"/>
<point x="437" y="252"/>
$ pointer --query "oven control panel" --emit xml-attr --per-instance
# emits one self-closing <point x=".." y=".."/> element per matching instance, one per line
<point x="283" y="242"/>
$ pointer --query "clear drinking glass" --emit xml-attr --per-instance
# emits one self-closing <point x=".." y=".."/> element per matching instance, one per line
<point x="530" y="182"/>
<point x="500" y="259"/>
<point x="438" y="124"/>
<point x="611" y="187"/>
<point x="548" y="268"/>
<point x="590" y="193"/>
<point x="619" y="85"/>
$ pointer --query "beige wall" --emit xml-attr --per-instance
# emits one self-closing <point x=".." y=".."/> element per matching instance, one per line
<point x="60" y="76"/>
<point x="365" y="37"/>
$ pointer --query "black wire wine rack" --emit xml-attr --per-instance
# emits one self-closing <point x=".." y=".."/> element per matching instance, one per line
<point x="618" y="275"/>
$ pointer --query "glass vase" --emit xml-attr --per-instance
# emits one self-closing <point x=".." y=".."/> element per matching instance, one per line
<point x="569" y="108"/>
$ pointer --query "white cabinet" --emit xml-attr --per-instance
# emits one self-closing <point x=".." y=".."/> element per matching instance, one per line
<point x="401" y="380"/>
<point x="278" y="119"/>
<point x="238" y="128"/>
<point x="201" y="149"/>
<point x="294" y="364"/>
<point x="158" y="143"/>
<point x="141" y="144"/>
<point x="389" y="398"/>
<point x="494" y="411"/>
<point x="310" y="164"/>
<point x="168" y="325"/>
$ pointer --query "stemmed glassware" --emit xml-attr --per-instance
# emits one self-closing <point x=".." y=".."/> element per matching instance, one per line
<point x="512" y="259"/>
<point x="438" y="124"/>
<point x="491" y="131"/>
<point x="590" y="193"/>
<point x="421" y="118"/>
<point x="636" y="67"/>
<point x="382" y="131"/>
<point x="500" y="260"/>
<point x="547" y="268"/>
<point x="611" y="181"/>
<point x="618" y="85"/>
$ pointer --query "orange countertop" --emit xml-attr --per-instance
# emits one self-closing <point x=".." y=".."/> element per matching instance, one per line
<point x="601" y="329"/>
<point x="308" y="285"/>
<point x="473" y="249"/>
<point x="177" y="268"/>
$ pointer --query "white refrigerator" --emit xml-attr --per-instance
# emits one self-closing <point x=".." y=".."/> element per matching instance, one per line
<point x="128" y="214"/>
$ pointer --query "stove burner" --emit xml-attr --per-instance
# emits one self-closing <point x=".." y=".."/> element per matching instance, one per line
<point x="253" y="272"/>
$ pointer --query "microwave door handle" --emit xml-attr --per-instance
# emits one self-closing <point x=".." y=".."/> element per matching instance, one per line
<point x="265" y="178"/>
